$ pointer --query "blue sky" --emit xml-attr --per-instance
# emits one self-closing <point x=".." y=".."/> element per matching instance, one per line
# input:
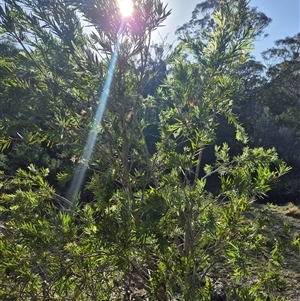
<point x="285" y="15"/>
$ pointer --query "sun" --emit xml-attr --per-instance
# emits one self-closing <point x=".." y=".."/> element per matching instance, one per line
<point x="126" y="7"/>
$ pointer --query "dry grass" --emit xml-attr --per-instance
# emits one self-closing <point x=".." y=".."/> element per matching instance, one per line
<point x="289" y="209"/>
<point x="290" y="213"/>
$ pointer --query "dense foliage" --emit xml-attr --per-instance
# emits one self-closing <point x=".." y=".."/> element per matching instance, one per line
<point x="146" y="221"/>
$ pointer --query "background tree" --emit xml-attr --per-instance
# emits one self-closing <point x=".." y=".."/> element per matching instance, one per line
<point x="275" y="104"/>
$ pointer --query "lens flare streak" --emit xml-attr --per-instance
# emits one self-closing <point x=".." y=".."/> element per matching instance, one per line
<point x="91" y="140"/>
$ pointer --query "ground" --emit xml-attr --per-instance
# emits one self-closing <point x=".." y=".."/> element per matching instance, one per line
<point x="290" y="213"/>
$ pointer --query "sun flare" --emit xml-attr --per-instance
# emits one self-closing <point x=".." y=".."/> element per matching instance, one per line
<point x="126" y="7"/>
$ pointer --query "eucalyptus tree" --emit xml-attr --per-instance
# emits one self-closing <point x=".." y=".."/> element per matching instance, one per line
<point x="151" y="227"/>
<point x="283" y="74"/>
<point x="277" y="123"/>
